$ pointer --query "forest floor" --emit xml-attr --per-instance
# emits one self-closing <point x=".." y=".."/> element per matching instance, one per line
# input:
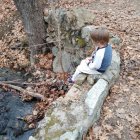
<point x="120" y="116"/>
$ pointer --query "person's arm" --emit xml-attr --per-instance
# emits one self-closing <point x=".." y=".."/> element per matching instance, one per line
<point x="96" y="64"/>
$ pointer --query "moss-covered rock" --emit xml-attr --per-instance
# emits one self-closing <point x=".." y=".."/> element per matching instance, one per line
<point x="80" y="42"/>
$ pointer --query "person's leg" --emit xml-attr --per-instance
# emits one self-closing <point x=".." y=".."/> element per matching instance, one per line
<point x="83" y="68"/>
<point x="77" y="72"/>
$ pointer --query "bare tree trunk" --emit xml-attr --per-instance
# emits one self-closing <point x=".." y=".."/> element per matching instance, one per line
<point x="32" y="17"/>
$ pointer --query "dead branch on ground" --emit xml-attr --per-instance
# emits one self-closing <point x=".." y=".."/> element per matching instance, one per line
<point x="24" y="83"/>
<point x="33" y="94"/>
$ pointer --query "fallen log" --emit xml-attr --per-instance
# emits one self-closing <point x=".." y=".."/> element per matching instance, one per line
<point x="33" y="94"/>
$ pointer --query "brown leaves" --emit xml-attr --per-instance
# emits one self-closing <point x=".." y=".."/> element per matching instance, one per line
<point x="45" y="61"/>
<point x="10" y="58"/>
<point x="48" y="84"/>
<point x="62" y="76"/>
<point x="121" y="110"/>
<point x="68" y="4"/>
<point x="7" y="7"/>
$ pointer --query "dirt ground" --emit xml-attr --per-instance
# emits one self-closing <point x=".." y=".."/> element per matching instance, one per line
<point x="120" y="117"/>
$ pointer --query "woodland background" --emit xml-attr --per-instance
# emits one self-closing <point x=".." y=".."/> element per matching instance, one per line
<point x="120" y="118"/>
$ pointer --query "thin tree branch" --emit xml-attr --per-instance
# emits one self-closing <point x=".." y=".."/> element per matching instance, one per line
<point x="33" y="94"/>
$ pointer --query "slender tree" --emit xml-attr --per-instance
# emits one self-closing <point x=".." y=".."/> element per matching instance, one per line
<point x="34" y="25"/>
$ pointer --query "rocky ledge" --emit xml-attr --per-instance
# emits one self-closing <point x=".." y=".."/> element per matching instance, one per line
<point x="70" y="118"/>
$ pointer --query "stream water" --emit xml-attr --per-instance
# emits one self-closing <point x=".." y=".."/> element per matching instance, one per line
<point x="11" y="109"/>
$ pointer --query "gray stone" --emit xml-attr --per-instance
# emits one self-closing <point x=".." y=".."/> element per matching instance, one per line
<point x="71" y="23"/>
<point x="55" y="51"/>
<point x="93" y="77"/>
<point x="69" y="136"/>
<point x="80" y="79"/>
<point x="109" y="77"/>
<point x="83" y="16"/>
<point x="90" y="79"/>
<point x="74" y="92"/>
<point x="46" y="19"/>
<point x="116" y="57"/>
<point x="71" y="19"/>
<point x="96" y="96"/>
<point x="85" y="32"/>
<point x="32" y="138"/>
<point x="115" y="40"/>
<point x="66" y="62"/>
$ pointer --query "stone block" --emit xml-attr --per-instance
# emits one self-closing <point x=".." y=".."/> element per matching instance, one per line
<point x="115" y="40"/>
<point x="108" y="76"/>
<point x="115" y="57"/>
<point x="80" y="79"/>
<point x="66" y="62"/>
<point x="90" y="79"/>
<point x="96" y="96"/>
<point x="32" y="138"/>
<point x="73" y="93"/>
<point x="85" y="32"/>
<point x="93" y="78"/>
<point x="70" y="135"/>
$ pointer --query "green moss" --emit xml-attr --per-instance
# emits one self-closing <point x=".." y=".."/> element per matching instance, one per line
<point x="51" y="123"/>
<point x="58" y="132"/>
<point x="80" y="41"/>
<point x="54" y="135"/>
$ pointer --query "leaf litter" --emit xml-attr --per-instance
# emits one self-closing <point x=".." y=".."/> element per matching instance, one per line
<point x="121" y="18"/>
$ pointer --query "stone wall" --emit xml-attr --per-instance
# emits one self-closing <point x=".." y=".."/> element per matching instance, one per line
<point x="71" y="117"/>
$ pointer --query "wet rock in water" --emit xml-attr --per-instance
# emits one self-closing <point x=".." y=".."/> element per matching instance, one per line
<point x="12" y="108"/>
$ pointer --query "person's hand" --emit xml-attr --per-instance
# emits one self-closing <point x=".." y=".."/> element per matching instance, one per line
<point x="88" y="59"/>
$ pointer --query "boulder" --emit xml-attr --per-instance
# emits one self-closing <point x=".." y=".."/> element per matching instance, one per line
<point x="71" y="19"/>
<point x="66" y="62"/>
<point x="80" y="79"/>
<point x="70" y="23"/>
<point x="115" y="40"/>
